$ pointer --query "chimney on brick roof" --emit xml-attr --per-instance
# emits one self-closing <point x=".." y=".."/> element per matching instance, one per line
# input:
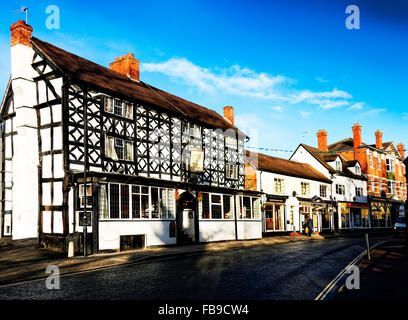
<point x="21" y="33"/>
<point x="378" y="139"/>
<point x="322" y="140"/>
<point x="127" y="65"/>
<point x="401" y="148"/>
<point x="229" y="114"/>
<point x="356" y="135"/>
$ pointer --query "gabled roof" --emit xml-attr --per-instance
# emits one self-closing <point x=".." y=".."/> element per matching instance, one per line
<point x="348" y="144"/>
<point x="96" y="75"/>
<point x="319" y="156"/>
<point x="285" y="167"/>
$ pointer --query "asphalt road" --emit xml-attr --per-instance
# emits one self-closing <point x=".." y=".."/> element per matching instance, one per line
<point x="295" y="270"/>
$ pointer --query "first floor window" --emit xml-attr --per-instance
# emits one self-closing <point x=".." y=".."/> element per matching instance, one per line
<point x="108" y="104"/>
<point x="391" y="188"/>
<point x="231" y="171"/>
<point x="305" y="188"/>
<point x="340" y="189"/>
<point x="323" y="191"/>
<point x="118" y="108"/>
<point x="359" y="192"/>
<point x="279" y="185"/>
<point x="118" y="149"/>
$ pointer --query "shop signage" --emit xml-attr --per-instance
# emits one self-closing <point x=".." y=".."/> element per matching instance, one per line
<point x="196" y="160"/>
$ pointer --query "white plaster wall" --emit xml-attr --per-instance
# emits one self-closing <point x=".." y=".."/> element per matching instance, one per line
<point x="214" y="230"/>
<point x="157" y="233"/>
<point x="266" y="182"/>
<point x="302" y="155"/>
<point x="249" y="229"/>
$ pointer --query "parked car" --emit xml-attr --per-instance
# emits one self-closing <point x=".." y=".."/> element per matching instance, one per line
<point x="400" y="226"/>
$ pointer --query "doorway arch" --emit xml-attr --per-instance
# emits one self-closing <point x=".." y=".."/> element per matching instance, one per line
<point x="187" y="219"/>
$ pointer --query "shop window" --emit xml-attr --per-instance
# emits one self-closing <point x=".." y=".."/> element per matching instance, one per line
<point x="228" y="206"/>
<point x="114" y="201"/>
<point x="205" y="202"/>
<point x="216" y="209"/>
<point x="345" y="217"/>
<point x="124" y="201"/>
<point x="103" y="202"/>
<point x="136" y="209"/>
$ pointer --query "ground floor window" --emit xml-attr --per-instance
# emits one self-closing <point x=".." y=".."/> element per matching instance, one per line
<point x="360" y="217"/>
<point x="248" y="207"/>
<point x="274" y="217"/>
<point x="380" y="216"/>
<point x="123" y="201"/>
<point x="345" y="217"/>
<point x="216" y="206"/>
<point x="325" y="219"/>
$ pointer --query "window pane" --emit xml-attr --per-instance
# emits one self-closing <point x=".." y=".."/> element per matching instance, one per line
<point x="171" y="204"/>
<point x="155" y="203"/>
<point x="145" y="206"/>
<point x="135" y="202"/>
<point x="124" y="201"/>
<point x="103" y="203"/>
<point x="120" y="148"/>
<point x="246" y="210"/>
<point x="118" y="107"/>
<point x="129" y="150"/>
<point x="255" y="208"/>
<point x="128" y="110"/>
<point x="114" y="201"/>
<point x="206" y="206"/>
<point x="108" y="102"/>
<point x="228" y="207"/>
<point x="164" y="203"/>
<point x="216" y="211"/>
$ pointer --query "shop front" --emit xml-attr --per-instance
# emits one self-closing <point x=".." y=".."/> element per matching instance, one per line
<point x="274" y="212"/>
<point x="353" y="216"/>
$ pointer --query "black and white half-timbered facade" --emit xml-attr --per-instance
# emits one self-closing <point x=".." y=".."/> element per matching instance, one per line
<point x="84" y="145"/>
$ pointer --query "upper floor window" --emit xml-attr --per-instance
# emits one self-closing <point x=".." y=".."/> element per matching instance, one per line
<point x="371" y="161"/>
<point x="391" y="187"/>
<point x="358" y="170"/>
<point x="323" y="191"/>
<point x="390" y="165"/>
<point x="340" y="189"/>
<point x="359" y="192"/>
<point x="305" y="188"/>
<point x="118" y="149"/>
<point x="192" y="129"/>
<point x="279" y="185"/>
<point x="231" y="171"/>
<point x="118" y="107"/>
<point x="338" y="165"/>
<point x="379" y="162"/>
<point x="231" y="142"/>
<point x="372" y="184"/>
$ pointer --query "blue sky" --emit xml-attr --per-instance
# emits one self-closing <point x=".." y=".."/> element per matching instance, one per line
<point x="289" y="67"/>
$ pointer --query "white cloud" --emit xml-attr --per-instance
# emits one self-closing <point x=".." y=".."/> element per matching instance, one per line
<point x="277" y="108"/>
<point x="357" y="106"/>
<point x="305" y="114"/>
<point x="373" y="112"/>
<point x="321" y="80"/>
<point x="246" y="83"/>
<point x="404" y="115"/>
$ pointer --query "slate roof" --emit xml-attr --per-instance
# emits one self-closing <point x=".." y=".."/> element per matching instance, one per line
<point x="96" y="75"/>
<point x="286" y="167"/>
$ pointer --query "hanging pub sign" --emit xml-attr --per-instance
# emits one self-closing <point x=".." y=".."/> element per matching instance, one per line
<point x="196" y="160"/>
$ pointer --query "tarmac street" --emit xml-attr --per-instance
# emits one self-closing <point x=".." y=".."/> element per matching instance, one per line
<point x="292" y="270"/>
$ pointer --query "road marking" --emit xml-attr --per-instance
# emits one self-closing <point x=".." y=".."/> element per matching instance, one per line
<point x="322" y="295"/>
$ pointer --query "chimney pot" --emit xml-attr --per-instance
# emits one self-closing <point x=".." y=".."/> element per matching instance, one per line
<point x="126" y="65"/>
<point x="229" y="114"/>
<point x="322" y="140"/>
<point x="21" y="33"/>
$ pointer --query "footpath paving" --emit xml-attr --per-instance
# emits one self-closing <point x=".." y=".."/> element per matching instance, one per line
<point x="385" y="277"/>
<point x="21" y="261"/>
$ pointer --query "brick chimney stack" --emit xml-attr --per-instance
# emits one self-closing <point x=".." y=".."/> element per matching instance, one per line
<point x="127" y="65"/>
<point x="322" y="140"/>
<point x="356" y="135"/>
<point x="229" y="114"/>
<point x="21" y="33"/>
<point x="378" y="139"/>
<point x="401" y="148"/>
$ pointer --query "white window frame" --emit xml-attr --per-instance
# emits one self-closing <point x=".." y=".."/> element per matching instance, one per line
<point x="307" y="186"/>
<point x="279" y="182"/>
<point x="231" y="171"/>
<point x="323" y="187"/>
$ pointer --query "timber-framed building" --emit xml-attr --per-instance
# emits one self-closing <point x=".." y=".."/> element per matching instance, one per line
<point x="87" y="145"/>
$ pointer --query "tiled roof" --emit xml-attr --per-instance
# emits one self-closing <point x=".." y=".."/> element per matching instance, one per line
<point x="285" y="167"/>
<point x="96" y="75"/>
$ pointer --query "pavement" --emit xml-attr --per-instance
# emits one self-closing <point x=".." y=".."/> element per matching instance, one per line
<point x="20" y="260"/>
<point x="384" y="277"/>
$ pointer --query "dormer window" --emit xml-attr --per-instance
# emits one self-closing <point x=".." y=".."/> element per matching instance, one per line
<point x="358" y="170"/>
<point x="338" y="165"/>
